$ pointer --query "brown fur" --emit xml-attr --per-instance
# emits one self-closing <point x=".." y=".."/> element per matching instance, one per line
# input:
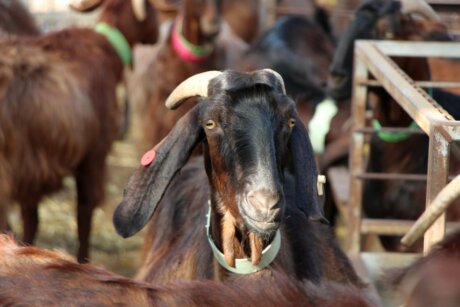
<point x="243" y="17"/>
<point x="59" y="115"/>
<point x="432" y="280"/>
<point x="31" y="276"/>
<point x="182" y="250"/>
<point x="16" y="19"/>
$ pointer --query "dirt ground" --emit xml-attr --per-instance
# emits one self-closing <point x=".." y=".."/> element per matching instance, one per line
<point x="58" y="227"/>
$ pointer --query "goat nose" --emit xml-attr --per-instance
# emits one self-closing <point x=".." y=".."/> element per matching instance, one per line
<point x="263" y="200"/>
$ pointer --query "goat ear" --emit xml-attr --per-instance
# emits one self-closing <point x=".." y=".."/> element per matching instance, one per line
<point x="305" y="173"/>
<point x="147" y="185"/>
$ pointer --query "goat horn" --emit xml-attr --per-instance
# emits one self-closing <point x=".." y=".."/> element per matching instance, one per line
<point x="196" y="85"/>
<point x="420" y="7"/>
<point x="84" y="5"/>
<point x="139" y="9"/>
<point x="278" y="76"/>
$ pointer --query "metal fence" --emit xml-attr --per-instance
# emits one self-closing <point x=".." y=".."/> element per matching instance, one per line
<point x="373" y="57"/>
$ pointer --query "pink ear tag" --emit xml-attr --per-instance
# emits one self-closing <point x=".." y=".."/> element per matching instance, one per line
<point x="148" y="157"/>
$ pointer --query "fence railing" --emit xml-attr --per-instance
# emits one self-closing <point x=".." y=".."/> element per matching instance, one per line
<point x="373" y="58"/>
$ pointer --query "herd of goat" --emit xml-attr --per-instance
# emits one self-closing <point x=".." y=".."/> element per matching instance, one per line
<point x="229" y="192"/>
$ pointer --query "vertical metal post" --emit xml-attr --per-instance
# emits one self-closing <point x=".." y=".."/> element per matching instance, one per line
<point x="438" y="171"/>
<point x="356" y="162"/>
<point x="267" y="13"/>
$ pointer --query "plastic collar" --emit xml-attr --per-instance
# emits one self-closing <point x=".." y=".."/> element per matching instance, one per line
<point x="244" y="266"/>
<point x="118" y="41"/>
<point x="392" y="137"/>
<point x="186" y="50"/>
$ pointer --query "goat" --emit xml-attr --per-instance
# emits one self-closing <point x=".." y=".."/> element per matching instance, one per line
<point x="192" y="46"/>
<point x="58" y="109"/>
<point x="32" y="276"/>
<point x="262" y="188"/>
<point x="396" y="200"/>
<point x="16" y="19"/>
<point x="301" y="51"/>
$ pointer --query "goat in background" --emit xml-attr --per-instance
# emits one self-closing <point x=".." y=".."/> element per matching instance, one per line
<point x="58" y="109"/>
<point x="15" y="19"/>
<point x="196" y="41"/>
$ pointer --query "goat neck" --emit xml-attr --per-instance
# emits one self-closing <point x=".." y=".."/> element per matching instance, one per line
<point x="195" y="29"/>
<point x="134" y="30"/>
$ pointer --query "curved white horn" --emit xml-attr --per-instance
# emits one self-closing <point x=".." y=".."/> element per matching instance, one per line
<point x="196" y="85"/>
<point x="278" y="76"/>
<point x="139" y="9"/>
<point x="420" y="7"/>
<point x="84" y="5"/>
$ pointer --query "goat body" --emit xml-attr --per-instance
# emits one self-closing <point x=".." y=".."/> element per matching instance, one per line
<point x="32" y="276"/>
<point x="433" y="279"/>
<point x="59" y="114"/>
<point x="16" y="19"/>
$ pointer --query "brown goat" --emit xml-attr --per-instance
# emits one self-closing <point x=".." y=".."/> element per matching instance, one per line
<point x="259" y="177"/>
<point x="16" y="19"/>
<point x="59" y="115"/>
<point x="197" y="27"/>
<point x="32" y="276"/>
<point x="433" y="279"/>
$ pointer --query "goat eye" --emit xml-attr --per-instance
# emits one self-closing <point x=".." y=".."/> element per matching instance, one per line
<point x="210" y="124"/>
<point x="291" y="122"/>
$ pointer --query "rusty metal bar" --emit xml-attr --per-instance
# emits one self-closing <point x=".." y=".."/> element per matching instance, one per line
<point x="418" y="49"/>
<point x="423" y="84"/>
<point x="389" y="176"/>
<point x="438" y="170"/>
<point x="359" y="98"/>
<point x="415" y="101"/>
<point x="393" y="227"/>
<point x="440" y="204"/>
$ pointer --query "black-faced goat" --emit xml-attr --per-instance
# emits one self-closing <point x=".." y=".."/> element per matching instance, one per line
<point x="259" y="184"/>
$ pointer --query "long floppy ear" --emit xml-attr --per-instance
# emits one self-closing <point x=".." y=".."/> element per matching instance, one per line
<point x="305" y="173"/>
<point x="147" y="185"/>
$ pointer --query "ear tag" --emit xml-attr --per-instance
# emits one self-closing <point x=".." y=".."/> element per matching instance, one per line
<point x="148" y="157"/>
<point x="320" y="184"/>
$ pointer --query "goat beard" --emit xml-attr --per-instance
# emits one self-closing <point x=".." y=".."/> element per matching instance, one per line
<point x="257" y="245"/>
<point x="256" y="242"/>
